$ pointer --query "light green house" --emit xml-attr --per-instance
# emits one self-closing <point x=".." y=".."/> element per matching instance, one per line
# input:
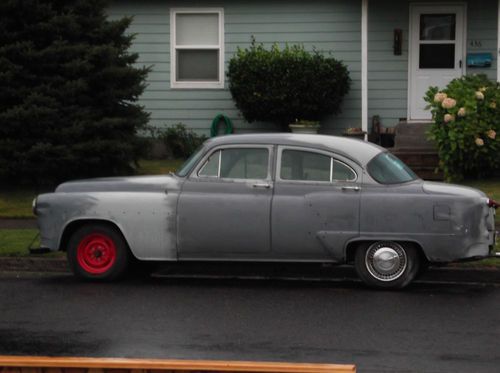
<point x="394" y="50"/>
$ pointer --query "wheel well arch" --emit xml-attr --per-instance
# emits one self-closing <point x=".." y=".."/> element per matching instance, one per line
<point x="350" y="250"/>
<point x="74" y="225"/>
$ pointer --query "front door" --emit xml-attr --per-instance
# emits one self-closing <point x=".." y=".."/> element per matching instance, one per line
<point x="224" y="207"/>
<point x="436" y="53"/>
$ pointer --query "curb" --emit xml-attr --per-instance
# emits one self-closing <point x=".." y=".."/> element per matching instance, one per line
<point x="489" y="275"/>
<point x="33" y="264"/>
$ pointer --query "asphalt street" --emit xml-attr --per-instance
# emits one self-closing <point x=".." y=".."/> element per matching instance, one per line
<point x="429" y="327"/>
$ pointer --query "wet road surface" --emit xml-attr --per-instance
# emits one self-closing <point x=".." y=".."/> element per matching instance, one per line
<point x="428" y="327"/>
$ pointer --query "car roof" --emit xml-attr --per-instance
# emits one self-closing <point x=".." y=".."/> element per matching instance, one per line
<point x="357" y="150"/>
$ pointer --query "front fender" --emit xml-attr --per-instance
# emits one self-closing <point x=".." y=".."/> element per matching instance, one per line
<point x="147" y="220"/>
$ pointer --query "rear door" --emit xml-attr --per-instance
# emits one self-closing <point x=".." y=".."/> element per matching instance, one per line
<point x="315" y="208"/>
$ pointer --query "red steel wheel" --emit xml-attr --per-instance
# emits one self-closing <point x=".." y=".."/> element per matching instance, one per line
<point x="98" y="252"/>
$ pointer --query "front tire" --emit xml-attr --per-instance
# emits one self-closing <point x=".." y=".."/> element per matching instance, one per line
<point x="387" y="264"/>
<point x="98" y="252"/>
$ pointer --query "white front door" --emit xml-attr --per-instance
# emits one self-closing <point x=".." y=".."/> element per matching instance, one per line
<point x="436" y="53"/>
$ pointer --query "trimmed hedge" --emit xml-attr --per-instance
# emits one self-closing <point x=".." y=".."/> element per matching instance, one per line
<point x="285" y="85"/>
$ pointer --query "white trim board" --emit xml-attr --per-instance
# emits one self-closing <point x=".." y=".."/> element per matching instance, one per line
<point x="364" y="67"/>
<point x="439" y="7"/>
<point x="173" y="47"/>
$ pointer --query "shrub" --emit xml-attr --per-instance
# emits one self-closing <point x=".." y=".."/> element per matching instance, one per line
<point x="466" y="124"/>
<point x="179" y="141"/>
<point x="283" y="85"/>
<point x="68" y="92"/>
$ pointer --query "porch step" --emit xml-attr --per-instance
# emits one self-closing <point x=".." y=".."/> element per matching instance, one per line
<point x="422" y="162"/>
<point x="417" y="157"/>
<point x="413" y="148"/>
<point x="413" y="135"/>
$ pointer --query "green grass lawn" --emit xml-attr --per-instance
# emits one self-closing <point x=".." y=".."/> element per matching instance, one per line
<point x="16" y="203"/>
<point x="158" y="167"/>
<point x="16" y="242"/>
<point x="492" y="189"/>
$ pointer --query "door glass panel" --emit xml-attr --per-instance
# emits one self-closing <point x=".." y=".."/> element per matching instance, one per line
<point x="341" y="171"/>
<point x="437" y="56"/>
<point x="437" y="26"/>
<point x="211" y="167"/>
<point x="244" y="163"/>
<point x="300" y="165"/>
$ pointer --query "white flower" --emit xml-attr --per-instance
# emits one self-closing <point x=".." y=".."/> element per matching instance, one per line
<point x="479" y="141"/>
<point x="448" y="103"/>
<point x="491" y="134"/>
<point x="479" y="95"/>
<point x="461" y="112"/>
<point x="440" y="96"/>
<point x="449" y="118"/>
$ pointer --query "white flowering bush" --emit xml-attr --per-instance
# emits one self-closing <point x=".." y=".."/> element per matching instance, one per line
<point x="466" y="124"/>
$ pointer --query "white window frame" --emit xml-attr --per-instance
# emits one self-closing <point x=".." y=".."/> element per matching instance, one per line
<point x="173" y="48"/>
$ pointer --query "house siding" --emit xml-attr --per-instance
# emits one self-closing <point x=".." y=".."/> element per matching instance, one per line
<point x="332" y="26"/>
<point x="388" y="74"/>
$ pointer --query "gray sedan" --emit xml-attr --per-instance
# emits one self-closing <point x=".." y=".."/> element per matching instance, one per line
<point x="272" y="198"/>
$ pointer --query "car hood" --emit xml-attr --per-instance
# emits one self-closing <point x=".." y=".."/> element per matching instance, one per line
<point x="121" y="184"/>
<point x="451" y="189"/>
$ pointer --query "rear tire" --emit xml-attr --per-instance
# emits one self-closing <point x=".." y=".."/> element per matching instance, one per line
<point x="387" y="264"/>
<point x="98" y="252"/>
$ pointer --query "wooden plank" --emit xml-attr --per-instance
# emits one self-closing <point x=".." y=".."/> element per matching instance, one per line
<point x="177" y="365"/>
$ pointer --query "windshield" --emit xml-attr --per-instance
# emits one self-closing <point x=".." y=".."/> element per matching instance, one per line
<point x="190" y="162"/>
<point x="388" y="169"/>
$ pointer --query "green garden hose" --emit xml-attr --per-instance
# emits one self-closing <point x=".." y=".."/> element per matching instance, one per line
<point x="214" y="129"/>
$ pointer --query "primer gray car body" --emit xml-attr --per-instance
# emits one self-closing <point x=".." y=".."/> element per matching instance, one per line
<point x="170" y="218"/>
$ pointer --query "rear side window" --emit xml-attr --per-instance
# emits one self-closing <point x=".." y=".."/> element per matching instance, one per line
<point x="309" y="166"/>
<point x="237" y="163"/>
<point x="385" y="168"/>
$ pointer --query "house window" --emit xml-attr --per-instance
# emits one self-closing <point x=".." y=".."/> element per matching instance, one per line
<point x="197" y="48"/>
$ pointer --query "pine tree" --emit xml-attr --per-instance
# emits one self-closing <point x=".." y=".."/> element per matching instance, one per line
<point x="68" y="92"/>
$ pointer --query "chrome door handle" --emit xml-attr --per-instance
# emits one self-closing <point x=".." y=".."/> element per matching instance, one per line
<point x="262" y="185"/>
<point x="354" y="188"/>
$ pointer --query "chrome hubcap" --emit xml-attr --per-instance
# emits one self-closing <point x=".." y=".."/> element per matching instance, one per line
<point x="386" y="261"/>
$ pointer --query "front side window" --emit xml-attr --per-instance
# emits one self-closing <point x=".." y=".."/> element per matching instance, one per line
<point x="196" y="48"/>
<point x="388" y="169"/>
<point x="237" y="163"/>
<point x="190" y="162"/>
<point x="309" y="166"/>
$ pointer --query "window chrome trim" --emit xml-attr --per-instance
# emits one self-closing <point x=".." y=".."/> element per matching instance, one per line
<point x="220" y="164"/>
<point x="331" y="169"/>
<point x="333" y="158"/>
<point x="203" y="161"/>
